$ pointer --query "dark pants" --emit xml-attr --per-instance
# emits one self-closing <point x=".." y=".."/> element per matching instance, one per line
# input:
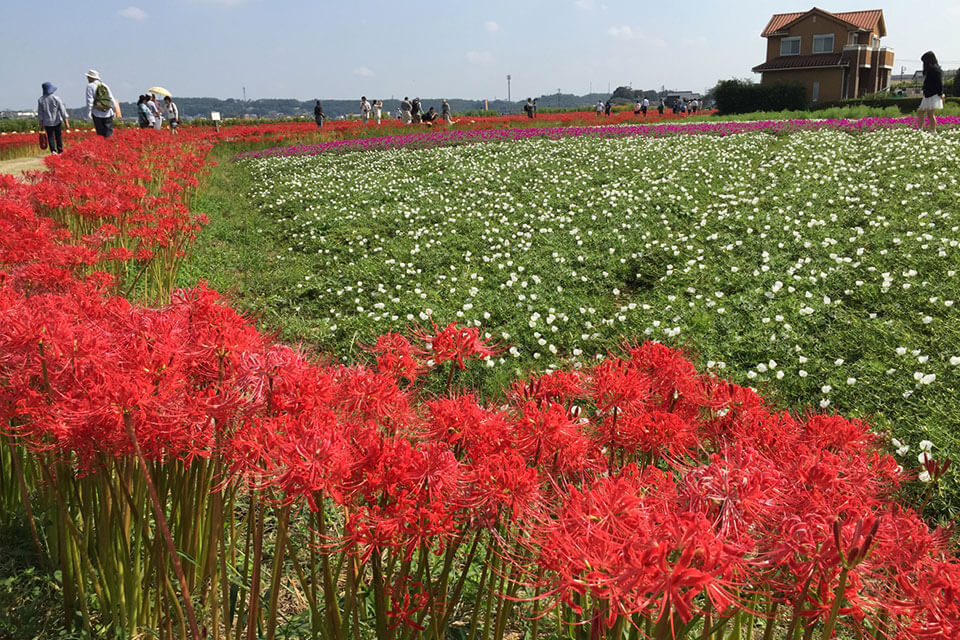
<point x="104" y="126"/>
<point x="55" y="138"/>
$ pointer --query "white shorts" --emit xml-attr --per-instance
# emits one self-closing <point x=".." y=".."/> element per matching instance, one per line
<point x="931" y="103"/>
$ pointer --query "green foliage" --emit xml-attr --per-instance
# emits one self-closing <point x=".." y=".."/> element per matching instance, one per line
<point x="739" y="96"/>
<point x="883" y="101"/>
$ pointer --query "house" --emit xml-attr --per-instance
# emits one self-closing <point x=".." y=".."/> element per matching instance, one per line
<point x="833" y="55"/>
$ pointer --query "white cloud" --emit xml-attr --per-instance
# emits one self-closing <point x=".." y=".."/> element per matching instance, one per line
<point x="363" y="72"/>
<point x="584" y="4"/>
<point x="491" y="26"/>
<point x="479" y="57"/>
<point x="134" y="13"/>
<point x="623" y="32"/>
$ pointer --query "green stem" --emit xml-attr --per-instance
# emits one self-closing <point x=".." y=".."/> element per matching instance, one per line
<point x="835" y="609"/>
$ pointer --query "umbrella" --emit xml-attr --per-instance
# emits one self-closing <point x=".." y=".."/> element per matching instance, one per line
<point x="160" y="90"/>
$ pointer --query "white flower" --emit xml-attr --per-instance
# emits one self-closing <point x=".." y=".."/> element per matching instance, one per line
<point x="924" y="476"/>
<point x="901" y="351"/>
<point x="826" y="388"/>
<point x="926" y="445"/>
<point x="955" y="360"/>
<point x="802" y="373"/>
<point x="851" y="381"/>
<point x="824" y="403"/>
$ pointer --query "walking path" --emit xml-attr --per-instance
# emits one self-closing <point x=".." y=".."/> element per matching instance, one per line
<point x="18" y="166"/>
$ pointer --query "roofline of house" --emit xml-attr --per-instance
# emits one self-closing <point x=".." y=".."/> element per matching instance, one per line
<point x="840" y="65"/>
<point x="782" y="30"/>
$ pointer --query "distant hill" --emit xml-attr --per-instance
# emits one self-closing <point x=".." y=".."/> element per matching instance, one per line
<point x="287" y="107"/>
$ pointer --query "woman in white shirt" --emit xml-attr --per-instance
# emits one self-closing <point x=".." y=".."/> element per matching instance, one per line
<point x="171" y="113"/>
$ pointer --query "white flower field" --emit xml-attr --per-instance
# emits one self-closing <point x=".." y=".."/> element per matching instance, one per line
<point x="820" y="266"/>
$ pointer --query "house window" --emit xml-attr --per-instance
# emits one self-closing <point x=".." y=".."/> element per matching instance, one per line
<point x="816" y="91"/>
<point x="876" y="42"/>
<point x="853" y="38"/>
<point x="790" y="46"/>
<point x="823" y="43"/>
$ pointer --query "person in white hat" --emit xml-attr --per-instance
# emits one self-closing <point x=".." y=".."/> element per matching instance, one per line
<point x="101" y="105"/>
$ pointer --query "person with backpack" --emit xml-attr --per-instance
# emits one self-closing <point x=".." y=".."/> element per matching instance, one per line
<point x="53" y="117"/>
<point x="416" y="111"/>
<point x="171" y="113"/>
<point x="102" y="107"/>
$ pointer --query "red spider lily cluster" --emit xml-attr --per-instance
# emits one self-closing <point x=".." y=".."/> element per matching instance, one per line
<point x="637" y="493"/>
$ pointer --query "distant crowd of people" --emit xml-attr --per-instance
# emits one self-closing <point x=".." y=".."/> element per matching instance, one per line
<point x="409" y="112"/>
<point x="150" y="115"/>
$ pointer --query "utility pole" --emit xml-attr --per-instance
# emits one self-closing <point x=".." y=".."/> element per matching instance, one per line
<point x="244" y="94"/>
<point x="558" y="97"/>
<point x="508" y="87"/>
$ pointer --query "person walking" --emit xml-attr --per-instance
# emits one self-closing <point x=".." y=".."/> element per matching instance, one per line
<point x="608" y="106"/>
<point x="318" y="114"/>
<point x="406" y="110"/>
<point x="364" y="110"/>
<point x="445" y="111"/>
<point x="599" y="108"/>
<point x="102" y="107"/>
<point x="171" y="113"/>
<point x="154" y="107"/>
<point x="644" y="106"/>
<point x="528" y="108"/>
<point x="534" y="107"/>
<point x="52" y="115"/>
<point x="144" y="115"/>
<point x="377" y="110"/>
<point x="660" y="108"/>
<point x="932" y="91"/>
<point x="416" y="111"/>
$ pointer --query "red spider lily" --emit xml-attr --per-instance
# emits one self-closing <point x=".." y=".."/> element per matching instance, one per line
<point x="455" y="344"/>
<point x="396" y="356"/>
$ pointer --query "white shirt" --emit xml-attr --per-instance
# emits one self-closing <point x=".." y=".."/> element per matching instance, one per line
<point x="91" y="92"/>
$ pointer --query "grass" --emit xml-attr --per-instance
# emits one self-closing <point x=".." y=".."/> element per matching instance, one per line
<point x="849" y="113"/>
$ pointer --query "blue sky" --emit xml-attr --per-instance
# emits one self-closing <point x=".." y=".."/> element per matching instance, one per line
<point x="343" y="49"/>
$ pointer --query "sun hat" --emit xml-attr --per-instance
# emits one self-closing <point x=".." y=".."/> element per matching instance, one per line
<point x="93" y="74"/>
<point x="48" y="88"/>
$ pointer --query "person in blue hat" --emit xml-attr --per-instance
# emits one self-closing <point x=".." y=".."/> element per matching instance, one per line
<point x="52" y="116"/>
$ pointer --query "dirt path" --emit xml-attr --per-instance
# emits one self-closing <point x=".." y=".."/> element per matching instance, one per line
<point x="17" y="166"/>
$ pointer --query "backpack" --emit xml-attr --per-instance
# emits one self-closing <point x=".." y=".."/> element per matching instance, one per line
<point x="101" y="98"/>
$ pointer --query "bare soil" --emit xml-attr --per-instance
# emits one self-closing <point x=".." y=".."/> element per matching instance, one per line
<point x="18" y="166"/>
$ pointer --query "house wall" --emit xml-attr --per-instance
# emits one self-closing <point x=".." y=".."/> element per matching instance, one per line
<point x="831" y="81"/>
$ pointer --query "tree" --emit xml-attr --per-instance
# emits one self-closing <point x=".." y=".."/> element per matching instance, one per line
<point x="624" y="93"/>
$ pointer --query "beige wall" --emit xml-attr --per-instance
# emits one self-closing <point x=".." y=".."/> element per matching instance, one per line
<point x="831" y="81"/>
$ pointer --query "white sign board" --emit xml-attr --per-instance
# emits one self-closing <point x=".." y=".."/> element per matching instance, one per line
<point x="215" y="116"/>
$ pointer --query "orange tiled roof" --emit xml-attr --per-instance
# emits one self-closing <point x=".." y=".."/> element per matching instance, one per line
<point x="815" y="61"/>
<point x="859" y="19"/>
